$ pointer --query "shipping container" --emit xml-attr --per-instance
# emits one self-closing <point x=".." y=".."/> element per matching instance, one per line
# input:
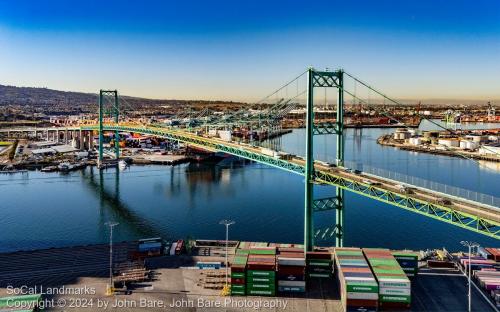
<point x="394" y="285"/>
<point x="359" y="290"/>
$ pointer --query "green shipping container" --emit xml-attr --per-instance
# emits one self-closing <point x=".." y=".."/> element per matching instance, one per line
<point x="405" y="255"/>
<point x="238" y="287"/>
<point x="261" y="286"/>
<point x="394" y="270"/>
<point x="395" y="298"/>
<point x="389" y="262"/>
<point x="238" y="275"/>
<point x="319" y="262"/>
<point x="263" y="251"/>
<point x="256" y="292"/>
<point x="238" y="293"/>
<point x="260" y="279"/>
<point x="240" y="259"/>
<point x="251" y="273"/>
<point x="349" y="253"/>
<point x="362" y="287"/>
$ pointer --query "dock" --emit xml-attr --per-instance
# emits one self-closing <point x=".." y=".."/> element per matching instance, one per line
<point x="160" y="159"/>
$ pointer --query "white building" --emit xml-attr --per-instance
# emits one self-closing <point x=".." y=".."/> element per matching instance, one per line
<point x="490" y="150"/>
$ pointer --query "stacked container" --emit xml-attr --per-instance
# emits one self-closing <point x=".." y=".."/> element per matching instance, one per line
<point x="494" y="253"/>
<point x="490" y="282"/>
<point x="291" y="270"/>
<point x="476" y="263"/>
<point x="261" y="271"/>
<point x="394" y="285"/>
<point x="408" y="261"/>
<point x="319" y="264"/>
<point x="358" y="288"/>
<point x="238" y="274"/>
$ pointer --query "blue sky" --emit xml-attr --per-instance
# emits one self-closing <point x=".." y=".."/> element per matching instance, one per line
<point x="242" y="50"/>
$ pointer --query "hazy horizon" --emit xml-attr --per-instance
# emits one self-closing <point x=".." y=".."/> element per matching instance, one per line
<point x="241" y="51"/>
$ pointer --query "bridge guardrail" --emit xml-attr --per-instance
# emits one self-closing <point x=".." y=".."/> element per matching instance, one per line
<point x="435" y="186"/>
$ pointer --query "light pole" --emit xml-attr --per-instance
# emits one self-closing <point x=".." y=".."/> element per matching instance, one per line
<point x="227" y="223"/>
<point x="470" y="245"/>
<point x="111" y="226"/>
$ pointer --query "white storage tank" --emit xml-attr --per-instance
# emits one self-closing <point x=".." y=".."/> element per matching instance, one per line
<point x="212" y="132"/>
<point x="401" y="135"/>
<point x="413" y="132"/>
<point x="466" y="144"/>
<point x="416" y="141"/>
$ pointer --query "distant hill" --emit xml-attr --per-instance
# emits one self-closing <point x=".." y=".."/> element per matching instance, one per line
<point x="10" y="95"/>
<point x="52" y="101"/>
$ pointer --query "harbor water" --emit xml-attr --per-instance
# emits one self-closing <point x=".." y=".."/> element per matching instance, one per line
<point x="42" y="210"/>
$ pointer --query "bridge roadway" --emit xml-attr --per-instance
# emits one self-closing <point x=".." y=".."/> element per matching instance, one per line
<point x="461" y="212"/>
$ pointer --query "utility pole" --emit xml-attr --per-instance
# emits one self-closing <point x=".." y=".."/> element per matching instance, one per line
<point x="470" y="245"/>
<point x="227" y="223"/>
<point x="110" y="288"/>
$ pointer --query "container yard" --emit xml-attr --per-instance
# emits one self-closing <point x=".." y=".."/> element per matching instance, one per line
<point x="326" y="279"/>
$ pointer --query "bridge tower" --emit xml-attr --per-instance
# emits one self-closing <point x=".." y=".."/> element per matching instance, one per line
<point x="111" y="96"/>
<point x="323" y="79"/>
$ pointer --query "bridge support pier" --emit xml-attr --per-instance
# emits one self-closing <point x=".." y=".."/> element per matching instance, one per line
<point x="339" y="125"/>
<point x="116" y="112"/>
<point x="80" y="141"/>
<point x="323" y="79"/>
<point x="309" y="168"/>
<point x="117" y="133"/>
<point x="101" y="135"/>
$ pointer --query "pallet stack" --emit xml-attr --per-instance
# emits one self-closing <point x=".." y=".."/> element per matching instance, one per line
<point x="319" y="264"/>
<point x="408" y="261"/>
<point x="359" y="289"/>
<point x="394" y="285"/>
<point x="261" y="271"/>
<point x="238" y="274"/>
<point x="291" y="270"/>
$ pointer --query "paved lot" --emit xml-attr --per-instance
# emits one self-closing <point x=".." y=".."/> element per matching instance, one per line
<point x="176" y="287"/>
<point x="445" y="291"/>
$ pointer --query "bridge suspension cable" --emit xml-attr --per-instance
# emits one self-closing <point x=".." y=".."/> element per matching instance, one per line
<point x="391" y="117"/>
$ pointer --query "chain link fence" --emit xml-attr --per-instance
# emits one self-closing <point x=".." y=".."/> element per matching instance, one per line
<point x="431" y="185"/>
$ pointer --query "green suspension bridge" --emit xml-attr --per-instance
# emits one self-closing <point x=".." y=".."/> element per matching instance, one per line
<point x="471" y="215"/>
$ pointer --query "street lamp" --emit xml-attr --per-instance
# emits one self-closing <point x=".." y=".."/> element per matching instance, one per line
<point x="111" y="226"/>
<point x="227" y="223"/>
<point x="470" y="245"/>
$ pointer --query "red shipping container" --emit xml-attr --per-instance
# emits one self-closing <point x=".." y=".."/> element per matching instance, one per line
<point x="239" y="281"/>
<point x="290" y="249"/>
<point x="495" y="253"/>
<point x="357" y="270"/>
<point x="261" y="266"/>
<point x="291" y="255"/>
<point x="361" y="303"/>
<point x="238" y="268"/>
<point x="387" y="306"/>
<point x="289" y="269"/>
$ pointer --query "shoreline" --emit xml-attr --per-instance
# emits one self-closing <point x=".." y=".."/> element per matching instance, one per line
<point x="384" y="140"/>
